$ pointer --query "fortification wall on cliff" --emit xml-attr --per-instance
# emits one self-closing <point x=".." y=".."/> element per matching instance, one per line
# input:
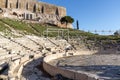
<point x="2" y="3"/>
<point x="33" y="6"/>
<point x="33" y="10"/>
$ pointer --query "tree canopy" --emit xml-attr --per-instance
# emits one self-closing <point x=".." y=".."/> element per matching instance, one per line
<point x="67" y="19"/>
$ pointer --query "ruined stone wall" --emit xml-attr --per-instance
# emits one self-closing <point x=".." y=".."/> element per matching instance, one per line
<point x="51" y="9"/>
<point x="62" y="11"/>
<point x="11" y="3"/>
<point x="33" y="10"/>
<point x="33" y="6"/>
<point x="20" y="4"/>
<point x="2" y="3"/>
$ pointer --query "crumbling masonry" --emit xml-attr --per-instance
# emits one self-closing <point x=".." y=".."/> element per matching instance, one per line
<point x="33" y="6"/>
<point x="32" y="10"/>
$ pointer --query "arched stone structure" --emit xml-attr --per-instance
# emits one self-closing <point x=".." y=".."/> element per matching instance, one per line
<point x="27" y="5"/>
<point x="57" y="12"/>
<point x="17" y="4"/>
<point x="42" y="9"/>
<point x="33" y="6"/>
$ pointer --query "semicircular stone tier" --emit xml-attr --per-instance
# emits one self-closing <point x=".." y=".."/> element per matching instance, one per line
<point x="105" y="66"/>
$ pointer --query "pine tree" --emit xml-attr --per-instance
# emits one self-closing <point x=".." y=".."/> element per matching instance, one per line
<point x="67" y="19"/>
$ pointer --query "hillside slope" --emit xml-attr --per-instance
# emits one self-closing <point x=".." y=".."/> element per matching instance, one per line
<point x="77" y="38"/>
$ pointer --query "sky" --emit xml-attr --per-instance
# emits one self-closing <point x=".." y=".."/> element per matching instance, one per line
<point x="99" y="15"/>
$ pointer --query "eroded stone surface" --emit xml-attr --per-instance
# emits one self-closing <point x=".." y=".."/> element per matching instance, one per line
<point x="105" y="66"/>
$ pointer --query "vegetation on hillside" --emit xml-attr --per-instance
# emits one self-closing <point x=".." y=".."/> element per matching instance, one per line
<point x="17" y="25"/>
<point x="38" y="29"/>
<point x="77" y="38"/>
<point x="3" y="27"/>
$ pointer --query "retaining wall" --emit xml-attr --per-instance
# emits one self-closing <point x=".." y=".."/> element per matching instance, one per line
<point x="53" y="70"/>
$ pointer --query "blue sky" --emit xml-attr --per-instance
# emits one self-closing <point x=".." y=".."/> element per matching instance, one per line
<point x="92" y="14"/>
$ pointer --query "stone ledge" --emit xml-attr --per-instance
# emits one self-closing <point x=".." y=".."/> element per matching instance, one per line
<point x="53" y="70"/>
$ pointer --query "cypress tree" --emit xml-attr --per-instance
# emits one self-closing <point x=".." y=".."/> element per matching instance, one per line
<point x="77" y="23"/>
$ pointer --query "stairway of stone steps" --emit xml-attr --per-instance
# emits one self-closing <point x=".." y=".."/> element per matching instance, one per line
<point x="2" y="50"/>
<point x="20" y="44"/>
<point x="34" y="29"/>
<point x="52" y="42"/>
<point x="27" y="45"/>
<point x="57" y="43"/>
<point x="30" y="71"/>
<point x="27" y="42"/>
<point x="78" y="43"/>
<point x="52" y="45"/>
<point x="20" y="33"/>
<point x="5" y="49"/>
<point x="8" y="45"/>
<point x="32" y="39"/>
